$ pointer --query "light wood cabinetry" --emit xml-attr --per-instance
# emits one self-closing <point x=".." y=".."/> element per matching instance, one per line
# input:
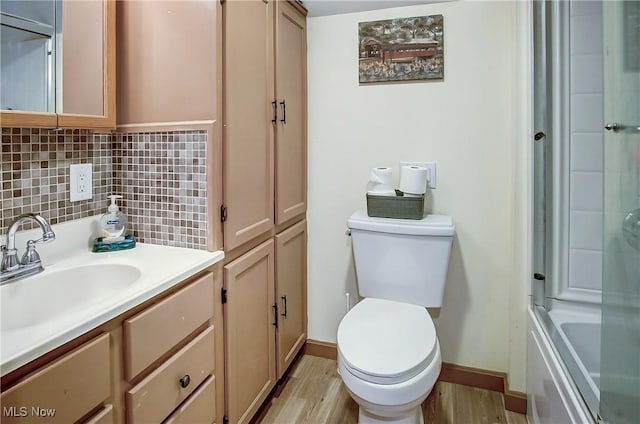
<point x="250" y="331"/>
<point x="167" y="63"/>
<point x="153" y="399"/>
<point x="196" y="409"/>
<point x="177" y="315"/>
<point x="89" y="74"/>
<point x="104" y="416"/>
<point x="291" y="292"/>
<point x="291" y="125"/>
<point x="64" y="391"/>
<point x="264" y="204"/>
<point x="265" y="317"/>
<point x="247" y="114"/>
<point x="152" y="334"/>
<point x="264" y="114"/>
<point x="160" y="361"/>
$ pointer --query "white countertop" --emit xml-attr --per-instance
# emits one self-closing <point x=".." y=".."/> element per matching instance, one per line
<point x="160" y="267"/>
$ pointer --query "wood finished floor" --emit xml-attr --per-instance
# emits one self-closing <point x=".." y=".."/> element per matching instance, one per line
<point x="313" y="393"/>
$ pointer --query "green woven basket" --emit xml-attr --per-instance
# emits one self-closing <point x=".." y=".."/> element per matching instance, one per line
<point x="398" y="206"/>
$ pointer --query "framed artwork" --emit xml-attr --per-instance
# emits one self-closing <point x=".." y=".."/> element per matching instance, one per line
<point x="403" y="49"/>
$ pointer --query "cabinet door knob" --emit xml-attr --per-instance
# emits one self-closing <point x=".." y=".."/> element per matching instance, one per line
<point x="184" y="381"/>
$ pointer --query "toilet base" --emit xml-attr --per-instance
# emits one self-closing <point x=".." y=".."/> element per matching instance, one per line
<point x="413" y="416"/>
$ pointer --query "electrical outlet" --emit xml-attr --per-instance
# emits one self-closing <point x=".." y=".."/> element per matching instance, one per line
<point x="81" y="181"/>
<point x="431" y="171"/>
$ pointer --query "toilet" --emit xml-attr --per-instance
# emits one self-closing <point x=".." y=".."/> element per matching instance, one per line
<point x="388" y="351"/>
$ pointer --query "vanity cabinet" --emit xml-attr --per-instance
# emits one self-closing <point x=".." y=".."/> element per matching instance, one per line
<point x="164" y="389"/>
<point x="178" y="316"/>
<point x="168" y="381"/>
<point x="65" y="391"/>
<point x="197" y="408"/>
<point x="160" y="362"/>
<point x="76" y="85"/>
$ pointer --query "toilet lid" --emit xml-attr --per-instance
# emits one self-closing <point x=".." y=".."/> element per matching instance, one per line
<point x="386" y="342"/>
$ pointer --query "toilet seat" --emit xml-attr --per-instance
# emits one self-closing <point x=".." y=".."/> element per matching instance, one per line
<point x="386" y="342"/>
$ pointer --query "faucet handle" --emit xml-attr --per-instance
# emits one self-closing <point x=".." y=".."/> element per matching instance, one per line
<point x="9" y="259"/>
<point x="30" y="255"/>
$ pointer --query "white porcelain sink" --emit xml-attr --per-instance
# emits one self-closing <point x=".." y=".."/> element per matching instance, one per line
<point x="80" y="290"/>
<point x="51" y="294"/>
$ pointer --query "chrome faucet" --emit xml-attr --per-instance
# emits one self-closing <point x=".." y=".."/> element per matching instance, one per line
<point x="11" y="269"/>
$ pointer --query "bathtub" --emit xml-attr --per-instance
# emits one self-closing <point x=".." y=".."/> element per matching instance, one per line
<point x="563" y="363"/>
<point x="582" y="340"/>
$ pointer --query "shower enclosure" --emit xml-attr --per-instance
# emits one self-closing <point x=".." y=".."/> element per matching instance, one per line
<point x="584" y="339"/>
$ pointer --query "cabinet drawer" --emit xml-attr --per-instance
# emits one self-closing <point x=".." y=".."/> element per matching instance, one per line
<point x="161" y="392"/>
<point x="153" y="332"/>
<point x="105" y="416"/>
<point x="64" y="391"/>
<point x="199" y="408"/>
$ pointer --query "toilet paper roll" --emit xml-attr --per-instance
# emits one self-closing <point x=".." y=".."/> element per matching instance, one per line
<point x="413" y="180"/>
<point x="380" y="181"/>
<point x="381" y="175"/>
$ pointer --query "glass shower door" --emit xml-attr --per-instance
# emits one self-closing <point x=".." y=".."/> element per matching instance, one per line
<point x="620" y="352"/>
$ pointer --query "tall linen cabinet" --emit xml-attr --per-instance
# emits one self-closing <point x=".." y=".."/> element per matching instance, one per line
<point x="264" y="196"/>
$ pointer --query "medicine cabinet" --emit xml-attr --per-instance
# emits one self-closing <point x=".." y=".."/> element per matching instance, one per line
<point x="57" y="63"/>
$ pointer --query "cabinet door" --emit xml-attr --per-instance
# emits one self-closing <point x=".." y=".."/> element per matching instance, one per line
<point x="166" y="62"/>
<point x="64" y="391"/>
<point x="291" y="292"/>
<point x="291" y="125"/>
<point x="248" y="111"/>
<point x="250" y="332"/>
<point x="89" y="65"/>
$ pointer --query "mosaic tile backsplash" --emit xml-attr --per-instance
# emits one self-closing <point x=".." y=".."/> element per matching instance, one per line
<point x="34" y="173"/>
<point x="162" y="177"/>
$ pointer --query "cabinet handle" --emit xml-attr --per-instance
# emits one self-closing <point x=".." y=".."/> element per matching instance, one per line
<point x="275" y="314"/>
<point x="284" y="304"/>
<point x="275" y="111"/>
<point x="184" y="381"/>
<point x="284" y="111"/>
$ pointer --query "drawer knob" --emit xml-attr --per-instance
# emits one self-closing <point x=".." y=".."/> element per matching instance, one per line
<point x="184" y="381"/>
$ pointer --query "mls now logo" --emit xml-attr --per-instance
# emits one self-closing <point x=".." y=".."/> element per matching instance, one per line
<point x="23" y="411"/>
<point x="15" y="411"/>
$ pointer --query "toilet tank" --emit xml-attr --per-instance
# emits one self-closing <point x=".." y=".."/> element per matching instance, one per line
<point x="402" y="259"/>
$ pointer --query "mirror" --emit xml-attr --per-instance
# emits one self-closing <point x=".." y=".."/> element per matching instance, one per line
<point x="27" y="34"/>
<point x="52" y="56"/>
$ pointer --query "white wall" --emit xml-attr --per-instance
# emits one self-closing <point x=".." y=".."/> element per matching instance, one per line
<point x="469" y="124"/>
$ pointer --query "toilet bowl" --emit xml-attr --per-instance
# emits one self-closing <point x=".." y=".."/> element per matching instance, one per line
<point x="388" y="352"/>
<point x="389" y="359"/>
